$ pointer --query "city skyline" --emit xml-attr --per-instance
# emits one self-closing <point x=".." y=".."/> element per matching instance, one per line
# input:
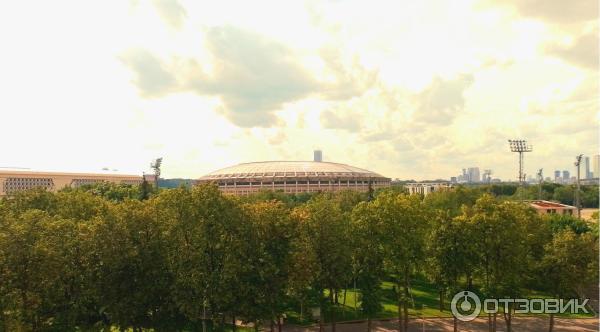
<point x="417" y="91"/>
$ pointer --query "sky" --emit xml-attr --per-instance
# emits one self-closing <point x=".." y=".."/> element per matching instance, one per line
<point x="408" y="89"/>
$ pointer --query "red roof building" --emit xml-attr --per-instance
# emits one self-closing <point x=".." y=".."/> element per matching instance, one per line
<point x="546" y="207"/>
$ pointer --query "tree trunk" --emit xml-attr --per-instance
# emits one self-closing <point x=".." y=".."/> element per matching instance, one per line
<point x="256" y="325"/>
<point x="321" y="310"/>
<point x="332" y="300"/>
<point x="233" y="327"/>
<point x="279" y="325"/>
<point x="406" y="297"/>
<point x="301" y="310"/>
<point x="272" y="325"/>
<point x="455" y="324"/>
<point x="494" y="322"/>
<point x="369" y="324"/>
<point x="405" y="316"/>
<point x="508" y="318"/>
<point x="551" y="325"/>
<point x="490" y="323"/>
<point x="400" y="325"/>
<point x="441" y="300"/>
<point x="345" y="290"/>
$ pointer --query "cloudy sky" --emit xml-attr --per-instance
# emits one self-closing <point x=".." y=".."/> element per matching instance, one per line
<point x="416" y="90"/>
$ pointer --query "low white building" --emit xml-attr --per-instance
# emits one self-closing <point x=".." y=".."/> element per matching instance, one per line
<point x="426" y="188"/>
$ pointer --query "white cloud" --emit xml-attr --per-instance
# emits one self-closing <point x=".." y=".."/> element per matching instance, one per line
<point x="374" y="84"/>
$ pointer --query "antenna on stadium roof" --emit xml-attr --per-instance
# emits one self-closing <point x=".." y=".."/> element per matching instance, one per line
<point x="318" y="155"/>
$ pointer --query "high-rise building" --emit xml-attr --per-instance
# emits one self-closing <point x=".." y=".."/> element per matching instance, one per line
<point x="464" y="177"/>
<point x="596" y="166"/>
<point x="556" y="175"/>
<point x="318" y="156"/>
<point x="486" y="177"/>
<point x="473" y="173"/>
<point x="566" y="176"/>
<point x="586" y="164"/>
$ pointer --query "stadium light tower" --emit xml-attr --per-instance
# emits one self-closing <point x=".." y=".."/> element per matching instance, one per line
<point x="520" y="146"/>
<point x="155" y="165"/>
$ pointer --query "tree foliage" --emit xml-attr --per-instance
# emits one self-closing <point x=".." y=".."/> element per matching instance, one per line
<point x="100" y="257"/>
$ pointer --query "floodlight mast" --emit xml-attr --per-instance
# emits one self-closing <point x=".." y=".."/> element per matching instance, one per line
<point x="520" y="146"/>
<point x="155" y="165"/>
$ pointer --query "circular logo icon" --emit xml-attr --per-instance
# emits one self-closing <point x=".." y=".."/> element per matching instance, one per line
<point x="469" y="307"/>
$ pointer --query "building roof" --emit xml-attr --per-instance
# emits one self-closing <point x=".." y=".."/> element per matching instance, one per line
<point x="17" y="172"/>
<point x="290" y="169"/>
<point x="549" y="205"/>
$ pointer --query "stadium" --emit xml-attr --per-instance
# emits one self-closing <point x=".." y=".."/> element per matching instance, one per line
<point x="293" y="177"/>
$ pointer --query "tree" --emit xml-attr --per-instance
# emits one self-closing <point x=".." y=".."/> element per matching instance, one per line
<point x="205" y="236"/>
<point x="564" y="194"/>
<point x="505" y="237"/>
<point x="303" y="269"/>
<point x="325" y="228"/>
<point x="451" y="201"/>
<point x="80" y="205"/>
<point x="589" y="196"/>
<point x="367" y="255"/>
<point x="38" y="199"/>
<point x="23" y="270"/>
<point x="558" y="222"/>
<point x="132" y="275"/>
<point x="115" y="192"/>
<point x="71" y="301"/>
<point x="404" y="223"/>
<point x="569" y="263"/>
<point x="270" y="235"/>
<point x="451" y="254"/>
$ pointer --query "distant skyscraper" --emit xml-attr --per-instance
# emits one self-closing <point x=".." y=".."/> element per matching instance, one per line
<point x="556" y="176"/>
<point x="566" y="176"/>
<point x="318" y="155"/>
<point x="474" y="175"/>
<point x="596" y="166"/>
<point x="586" y="163"/>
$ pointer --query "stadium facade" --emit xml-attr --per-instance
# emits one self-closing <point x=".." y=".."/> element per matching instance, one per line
<point x="12" y="181"/>
<point x="294" y="177"/>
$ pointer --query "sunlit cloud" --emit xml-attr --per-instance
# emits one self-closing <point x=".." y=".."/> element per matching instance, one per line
<point x="413" y="90"/>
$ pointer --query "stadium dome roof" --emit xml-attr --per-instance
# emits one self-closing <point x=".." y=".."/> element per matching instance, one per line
<point x="270" y="169"/>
